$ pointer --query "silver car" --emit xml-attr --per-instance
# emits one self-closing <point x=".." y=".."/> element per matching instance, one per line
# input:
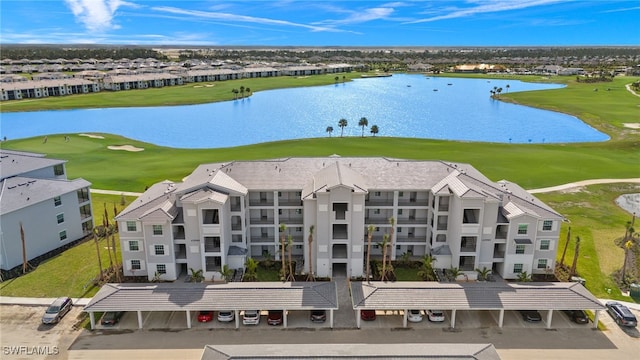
<point x="59" y="308"/>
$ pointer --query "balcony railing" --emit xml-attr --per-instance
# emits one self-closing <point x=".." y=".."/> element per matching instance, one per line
<point x="261" y="202"/>
<point x="412" y="220"/>
<point x="413" y="202"/>
<point x="181" y="255"/>
<point x="261" y="220"/>
<point x="287" y="202"/>
<point x="210" y="249"/>
<point x="260" y="239"/>
<point x="417" y="238"/>
<point x="290" y="219"/>
<point x="376" y="220"/>
<point x="442" y="226"/>
<point x="236" y="226"/>
<point x="498" y="254"/>
<point x="379" y="202"/>
<point x="468" y="249"/>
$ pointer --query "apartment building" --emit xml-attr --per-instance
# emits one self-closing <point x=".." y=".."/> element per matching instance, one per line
<point x="224" y="213"/>
<point x="37" y="200"/>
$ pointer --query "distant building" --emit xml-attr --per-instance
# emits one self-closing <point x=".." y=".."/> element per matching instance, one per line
<point x="224" y="213"/>
<point x="36" y="195"/>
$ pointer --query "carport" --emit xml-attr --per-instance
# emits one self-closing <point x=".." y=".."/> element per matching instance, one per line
<point x="236" y="296"/>
<point x="493" y="296"/>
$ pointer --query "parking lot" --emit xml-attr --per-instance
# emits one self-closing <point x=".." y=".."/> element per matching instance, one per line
<point x="471" y="319"/>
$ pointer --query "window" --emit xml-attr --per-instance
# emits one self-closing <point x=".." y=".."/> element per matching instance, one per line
<point x="299" y="211"/>
<point x="542" y="263"/>
<point x="135" y="265"/>
<point x="376" y="211"/>
<point x="547" y="225"/>
<point x="399" y="211"/>
<point x="57" y="201"/>
<point x="63" y="235"/>
<point x="400" y="194"/>
<point x="210" y="216"/>
<point x="158" y="249"/>
<point x="58" y="170"/>
<point x="161" y="269"/>
<point x="545" y="244"/>
<point x="471" y="216"/>
<point x="441" y="238"/>
<point x="212" y="244"/>
<point x="157" y="229"/>
<point x="298" y="229"/>
<point x="522" y="229"/>
<point x="134" y="246"/>
<point x="83" y="195"/>
<point x="377" y="193"/>
<point x="60" y="218"/>
<point x="517" y="268"/>
<point x="519" y="249"/>
<point x="132" y="226"/>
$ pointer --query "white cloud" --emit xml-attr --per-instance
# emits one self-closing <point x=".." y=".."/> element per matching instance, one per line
<point x="484" y="6"/>
<point x="363" y="16"/>
<point x="97" y="15"/>
<point x="239" y="18"/>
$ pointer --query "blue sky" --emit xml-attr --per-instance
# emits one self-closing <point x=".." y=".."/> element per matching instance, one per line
<point x="322" y="23"/>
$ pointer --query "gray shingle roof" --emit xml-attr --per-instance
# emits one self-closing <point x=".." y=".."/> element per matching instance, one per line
<point x="13" y="163"/>
<point x="472" y="296"/>
<point x="352" y="351"/>
<point x="19" y="192"/>
<point x="231" y="296"/>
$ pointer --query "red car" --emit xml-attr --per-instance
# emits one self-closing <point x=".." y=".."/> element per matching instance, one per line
<point x="274" y="317"/>
<point x="205" y="316"/>
<point x="368" y="315"/>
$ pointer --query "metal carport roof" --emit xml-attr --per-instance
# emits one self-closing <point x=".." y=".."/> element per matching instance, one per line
<point x="231" y="296"/>
<point x="472" y="296"/>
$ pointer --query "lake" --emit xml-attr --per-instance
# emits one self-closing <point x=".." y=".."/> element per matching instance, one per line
<point x="402" y="105"/>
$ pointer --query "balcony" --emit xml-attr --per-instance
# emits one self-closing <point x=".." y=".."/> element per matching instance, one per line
<point x="379" y="202"/>
<point x="237" y="226"/>
<point x="261" y="202"/>
<point x="498" y="254"/>
<point x="262" y="239"/>
<point x="290" y="219"/>
<point x="413" y="202"/>
<point x="376" y="220"/>
<point x="262" y="220"/>
<point x="442" y="227"/>
<point x="413" y="220"/>
<point x="289" y="202"/>
<point x="411" y="239"/>
<point x="178" y="233"/>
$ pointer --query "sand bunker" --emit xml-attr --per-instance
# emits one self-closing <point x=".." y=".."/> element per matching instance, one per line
<point x="631" y="125"/>
<point x="125" y="148"/>
<point x="93" y="136"/>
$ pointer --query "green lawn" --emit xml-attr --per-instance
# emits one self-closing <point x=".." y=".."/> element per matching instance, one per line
<point x="70" y="273"/>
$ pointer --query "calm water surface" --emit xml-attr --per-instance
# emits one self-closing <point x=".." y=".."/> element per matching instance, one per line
<point x="401" y="105"/>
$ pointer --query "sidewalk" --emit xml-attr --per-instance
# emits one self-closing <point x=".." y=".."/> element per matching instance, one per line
<point x="27" y="301"/>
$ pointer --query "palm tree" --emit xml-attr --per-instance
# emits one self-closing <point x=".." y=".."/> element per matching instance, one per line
<point x="251" y="273"/>
<point x="628" y="244"/>
<point x="329" y="130"/>
<point x="426" y="273"/>
<point x="235" y="93"/>
<point x="248" y="91"/>
<point x="241" y="91"/>
<point x="310" y="276"/>
<point x="453" y="273"/>
<point x="283" y="270"/>
<point x="370" y="230"/>
<point x="374" y="130"/>
<point x="499" y="91"/>
<point x="95" y="239"/>
<point x="524" y="277"/>
<point x="290" y="275"/>
<point x="483" y="274"/>
<point x="227" y="274"/>
<point x="196" y="275"/>
<point x="575" y="257"/>
<point x="342" y="124"/>
<point x="336" y="79"/>
<point x="392" y="222"/>
<point x="507" y="86"/>
<point x="363" y="122"/>
<point x="566" y="245"/>
<point x="384" y="244"/>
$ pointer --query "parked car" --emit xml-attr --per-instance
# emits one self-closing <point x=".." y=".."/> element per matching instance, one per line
<point x="368" y="315"/>
<point x="205" y="316"/>
<point x="274" y="317"/>
<point x="435" y="315"/>
<point x="530" y="315"/>
<point x="577" y="316"/>
<point x="621" y="314"/>
<point x="318" y="315"/>
<point x="414" y="316"/>
<point x="251" y="317"/>
<point x="226" y="316"/>
<point x="58" y="308"/>
<point x="111" y="318"/>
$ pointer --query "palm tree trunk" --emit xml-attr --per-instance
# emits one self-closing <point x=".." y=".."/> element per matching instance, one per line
<point x="310" y="276"/>
<point x="566" y="244"/>
<point x="115" y="257"/>
<point x="95" y="239"/>
<point x="575" y="258"/>
<point x="369" y="236"/>
<point x="291" y="276"/>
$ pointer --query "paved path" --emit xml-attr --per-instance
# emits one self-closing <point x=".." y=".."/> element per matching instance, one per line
<point x="115" y="192"/>
<point x="583" y="183"/>
<point x="628" y="86"/>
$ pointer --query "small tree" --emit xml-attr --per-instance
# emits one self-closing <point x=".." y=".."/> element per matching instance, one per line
<point x="426" y="272"/>
<point x="283" y="270"/>
<point x="566" y="245"/>
<point x="483" y="274"/>
<point x="196" y="275"/>
<point x="374" y="130"/>
<point x="290" y="275"/>
<point x="251" y="270"/>
<point x="227" y="274"/>
<point x="575" y="258"/>
<point x="329" y="130"/>
<point x="310" y="276"/>
<point x="370" y="230"/>
<point x="524" y="277"/>
<point x="453" y="273"/>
